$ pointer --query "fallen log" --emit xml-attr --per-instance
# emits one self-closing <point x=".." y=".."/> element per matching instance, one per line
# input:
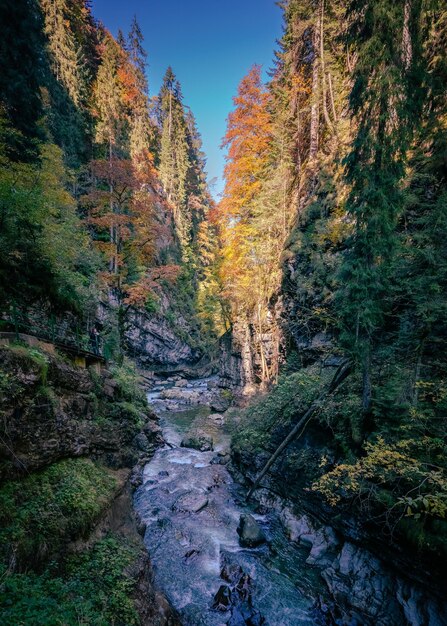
<point x="340" y="375"/>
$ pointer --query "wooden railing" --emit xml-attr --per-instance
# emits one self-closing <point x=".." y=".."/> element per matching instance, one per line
<point x="71" y="337"/>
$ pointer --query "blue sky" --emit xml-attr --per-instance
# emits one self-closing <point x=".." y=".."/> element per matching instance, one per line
<point x="210" y="45"/>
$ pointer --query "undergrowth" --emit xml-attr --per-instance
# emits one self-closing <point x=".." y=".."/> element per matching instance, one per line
<point x="90" y="589"/>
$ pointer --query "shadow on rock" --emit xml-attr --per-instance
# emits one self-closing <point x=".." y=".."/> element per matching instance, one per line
<point x="236" y="597"/>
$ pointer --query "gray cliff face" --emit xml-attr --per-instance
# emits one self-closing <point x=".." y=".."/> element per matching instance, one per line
<point x="365" y="590"/>
<point x="246" y="354"/>
<point x="155" y="346"/>
<point x="62" y="411"/>
<point x="235" y="361"/>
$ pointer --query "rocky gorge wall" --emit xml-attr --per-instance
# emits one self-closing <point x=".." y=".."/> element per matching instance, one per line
<point x="364" y="588"/>
<point x="157" y="346"/>
<point x="249" y="361"/>
<point x="68" y="442"/>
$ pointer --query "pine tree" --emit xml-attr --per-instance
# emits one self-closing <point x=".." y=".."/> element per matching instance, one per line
<point x="174" y="160"/>
<point x="109" y="109"/>
<point x="420" y="272"/>
<point x="379" y="102"/>
<point x="141" y="131"/>
<point x="22" y="69"/>
<point x="66" y="55"/>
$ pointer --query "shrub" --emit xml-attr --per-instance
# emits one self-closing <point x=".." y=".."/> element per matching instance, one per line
<point x="92" y="589"/>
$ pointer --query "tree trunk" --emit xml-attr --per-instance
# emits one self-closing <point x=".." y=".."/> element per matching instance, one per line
<point x="327" y="117"/>
<point x="367" y="391"/>
<point x="247" y="361"/>
<point x="112" y="226"/>
<point x="331" y="94"/>
<point x="315" y="96"/>
<point x="417" y="373"/>
<point x="342" y="372"/>
<point x="407" y="49"/>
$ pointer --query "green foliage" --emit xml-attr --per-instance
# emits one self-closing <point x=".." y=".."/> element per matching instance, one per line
<point x="270" y="418"/>
<point x="92" y="589"/>
<point x="129" y="385"/>
<point x="393" y="478"/>
<point x="151" y="305"/>
<point x="184" y="306"/>
<point x="33" y="357"/>
<point x="43" y="511"/>
<point x="44" y="252"/>
<point x="127" y="411"/>
<point x="21" y="71"/>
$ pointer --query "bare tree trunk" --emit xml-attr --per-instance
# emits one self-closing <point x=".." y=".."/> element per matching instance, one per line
<point x="247" y="360"/>
<point x="264" y="367"/>
<point x="323" y="71"/>
<point x="331" y="94"/>
<point x="342" y="372"/>
<point x="407" y="49"/>
<point x="112" y="226"/>
<point x="315" y="96"/>
<point x="417" y="373"/>
<point x="367" y="391"/>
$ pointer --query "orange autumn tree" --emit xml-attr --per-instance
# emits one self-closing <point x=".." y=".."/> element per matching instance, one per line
<point x="121" y="216"/>
<point x="247" y="221"/>
<point x="247" y="139"/>
<point x="113" y="210"/>
<point x="120" y="204"/>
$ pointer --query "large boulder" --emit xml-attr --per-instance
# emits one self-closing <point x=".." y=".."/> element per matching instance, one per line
<point x="250" y="533"/>
<point x="198" y="441"/>
<point x="191" y="502"/>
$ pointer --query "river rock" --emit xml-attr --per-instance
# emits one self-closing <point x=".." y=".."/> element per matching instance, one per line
<point x="191" y="502"/>
<point x="322" y="552"/>
<point x="221" y="459"/>
<point x="250" y="533"/>
<point x="218" y="418"/>
<point x="299" y="528"/>
<point x="172" y="394"/>
<point x="245" y="614"/>
<point x="198" y="441"/>
<point x="220" y="403"/>
<point x="142" y="443"/>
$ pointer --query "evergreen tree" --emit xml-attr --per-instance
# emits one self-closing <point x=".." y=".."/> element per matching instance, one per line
<point x="141" y="131"/>
<point x="22" y="68"/>
<point x="174" y="159"/>
<point x="109" y="110"/>
<point x="374" y="170"/>
<point x="66" y="55"/>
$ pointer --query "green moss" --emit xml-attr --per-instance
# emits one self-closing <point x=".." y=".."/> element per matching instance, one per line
<point x="129" y="388"/>
<point x="276" y="411"/>
<point x="127" y="411"/>
<point x="91" y="589"/>
<point x="9" y="386"/>
<point x="41" y="512"/>
<point x="36" y="358"/>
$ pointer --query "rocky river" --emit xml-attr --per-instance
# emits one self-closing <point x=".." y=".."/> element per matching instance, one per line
<point x="192" y="510"/>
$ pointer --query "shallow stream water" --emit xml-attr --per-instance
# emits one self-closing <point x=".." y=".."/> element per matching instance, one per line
<point x="192" y="508"/>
